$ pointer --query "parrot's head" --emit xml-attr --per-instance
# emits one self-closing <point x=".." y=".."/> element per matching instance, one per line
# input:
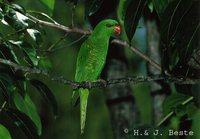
<point x="109" y="25"/>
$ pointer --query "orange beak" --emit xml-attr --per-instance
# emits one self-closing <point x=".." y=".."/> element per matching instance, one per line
<point x="117" y="29"/>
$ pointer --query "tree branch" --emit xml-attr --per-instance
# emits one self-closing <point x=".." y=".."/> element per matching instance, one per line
<point x="58" y="26"/>
<point x="86" y="32"/>
<point x="138" y="52"/>
<point x="99" y="83"/>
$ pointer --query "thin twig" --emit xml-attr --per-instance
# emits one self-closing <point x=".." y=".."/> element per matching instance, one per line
<point x="3" y="106"/>
<point x="98" y="83"/>
<point x="58" y="48"/>
<point x="73" y="10"/>
<point x="165" y="118"/>
<point x="42" y="14"/>
<point x="57" y="42"/>
<point x="172" y="112"/>
<point x="138" y="52"/>
<point x="58" y="26"/>
<point x="70" y="44"/>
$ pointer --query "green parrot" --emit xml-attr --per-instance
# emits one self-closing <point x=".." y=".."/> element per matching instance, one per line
<point x="91" y="60"/>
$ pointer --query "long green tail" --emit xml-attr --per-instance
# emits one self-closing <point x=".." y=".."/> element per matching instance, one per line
<point x="84" y="93"/>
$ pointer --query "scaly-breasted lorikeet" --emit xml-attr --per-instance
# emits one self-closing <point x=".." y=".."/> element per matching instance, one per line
<point x="91" y="59"/>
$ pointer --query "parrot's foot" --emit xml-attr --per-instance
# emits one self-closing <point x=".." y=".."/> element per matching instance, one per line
<point x="103" y="82"/>
<point x="87" y="84"/>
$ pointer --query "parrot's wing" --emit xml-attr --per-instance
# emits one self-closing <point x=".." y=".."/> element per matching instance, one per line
<point x="90" y="61"/>
<point x="81" y="71"/>
<point x="82" y="61"/>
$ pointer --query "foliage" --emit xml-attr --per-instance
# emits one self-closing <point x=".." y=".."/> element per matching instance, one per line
<point x="4" y="133"/>
<point x="131" y="20"/>
<point x="22" y="40"/>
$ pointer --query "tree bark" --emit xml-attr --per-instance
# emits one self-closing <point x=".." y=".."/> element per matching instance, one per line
<point x="153" y="41"/>
<point x="119" y="97"/>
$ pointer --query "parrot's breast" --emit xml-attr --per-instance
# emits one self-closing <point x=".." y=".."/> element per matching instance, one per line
<point x="91" y="59"/>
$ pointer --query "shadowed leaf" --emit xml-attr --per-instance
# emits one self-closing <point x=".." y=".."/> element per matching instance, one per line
<point x="46" y="94"/>
<point x="50" y="4"/>
<point x="133" y="15"/>
<point x="30" y="55"/>
<point x="161" y="5"/>
<point x="180" y="27"/>
<point x="24" y="122"/>
<point x="73" y="1"/>
<point x="6" y="85"/>
<point x="92" y="6"/>
<point x="35" y="35"/>
<point x="172" y="102"/>
<point x="26" y="106"/>
<point x="16" y="19"/>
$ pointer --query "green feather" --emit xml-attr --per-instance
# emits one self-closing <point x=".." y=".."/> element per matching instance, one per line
<point x="91" y="60"/>
<point x="84" y="93"/>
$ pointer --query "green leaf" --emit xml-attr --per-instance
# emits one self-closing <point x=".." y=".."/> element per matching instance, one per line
<point x="180" y="27"/>
<point x="121" y="10"/>
<point x="173" y="102"/>
<point x="35" y="35"/>
<point x="151" y="7"/>
<point x="161" y="5"/>
<point x="133" y="15"/>
<point x="180" y="110"/>
<point x="29" y="51"/>
<point x="26" y="106"/>
<point x="4" y="133"/>
<point x="3" y="93"/>
<point x="191" y="110"/>
<point x="1" y="14"/>
<point x="22" y="121"/>
<point x="92" y="6"/>
<point x="30" y="55"/>
<point x="7" y="52"/>
<point x="45" y="62"/>
<point x="20" y="82"/>
<point x="18" y="8"/>
<point x="6" y="85"/>
<point x="46" y="94"/>
<point x="10" y="80"/>
<point x="16" y="19"/>
<point x="171" y="18"/>
<point x="188" y="32"/>
<point x="49" y="4"/>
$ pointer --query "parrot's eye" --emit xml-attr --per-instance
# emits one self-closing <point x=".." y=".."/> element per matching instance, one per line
<point x="109" y="25"/>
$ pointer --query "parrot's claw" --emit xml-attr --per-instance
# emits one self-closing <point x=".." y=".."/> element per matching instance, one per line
<point x="87" y="84"/>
